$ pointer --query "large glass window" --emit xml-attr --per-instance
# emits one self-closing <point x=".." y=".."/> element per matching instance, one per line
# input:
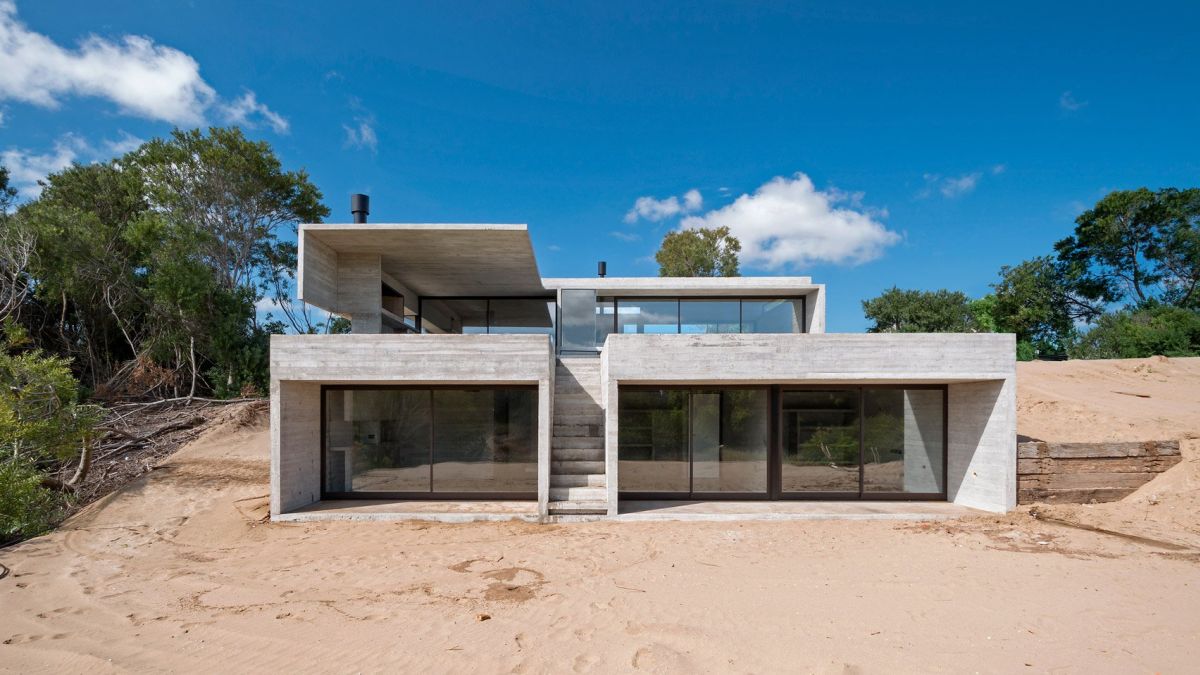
<point x="903" y="440"/>
<point x="820" y="441"/>
<point x="488" y="315"/>
<point x="647" y="316"/>
<point x="685" y="442"/>
<point x="772" y="316"/>
<point x="428" y="441"/>
<point x="709" y="316"/>
<point x="653" y="440"/>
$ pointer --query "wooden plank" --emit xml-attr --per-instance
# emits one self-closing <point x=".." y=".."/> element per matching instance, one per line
<point x="1076" y="481"/>
<point x="1156" y="464"/>
<point x="1072" y="496"/>
<point x="1036" y="449"/>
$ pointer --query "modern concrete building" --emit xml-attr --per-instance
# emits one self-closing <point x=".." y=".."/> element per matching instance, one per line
<point x="468" y="379"/>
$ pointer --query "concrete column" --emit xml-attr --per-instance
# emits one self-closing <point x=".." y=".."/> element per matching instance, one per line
<point x="359" y="291"/>
<point x="982" y="453"/>
<point x="608" y="399"/>
<point x="295" y="445"/>
<point x="545" y="435"/>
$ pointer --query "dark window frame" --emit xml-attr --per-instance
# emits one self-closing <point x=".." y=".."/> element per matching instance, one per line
<point x="425" y="495"/>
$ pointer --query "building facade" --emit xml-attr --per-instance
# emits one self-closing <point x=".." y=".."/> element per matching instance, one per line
<point x="469" y="377"/>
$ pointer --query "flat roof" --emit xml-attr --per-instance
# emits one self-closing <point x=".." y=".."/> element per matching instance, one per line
<point x="442" y="258"/>
<point x="732" y="286"/>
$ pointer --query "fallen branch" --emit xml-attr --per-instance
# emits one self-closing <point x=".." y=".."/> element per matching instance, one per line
<point x="164" y="401"/>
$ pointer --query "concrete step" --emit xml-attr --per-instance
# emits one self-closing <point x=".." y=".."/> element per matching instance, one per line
<point x="575" y="467"/>
<point x="578" y="494"/>
<point x="577" y="408"/>
<point x="577" y="508"/>
<point x="578" y="480"/>
<point x="579" y="395"/>
<point x="563" y="430"/>
<point x="593" y="419"/>
<point x="573" y="442"/>
<point x="577" y="454"/>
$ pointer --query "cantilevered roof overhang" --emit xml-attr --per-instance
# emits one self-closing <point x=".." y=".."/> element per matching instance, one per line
<point x="431" y="259"/>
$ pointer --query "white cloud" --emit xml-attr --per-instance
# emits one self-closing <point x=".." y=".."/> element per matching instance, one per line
<point x="654" y="210"/>
<point x="787" y="222"/>
<point x="362" y="135"/>
<point x="2" y="113"/>
<point x="142" y="78"/>
<point x="625" y="236"/>
<point x="954" y="186"/>
<point x="1069" y="103"/>
<point x="999" y="169"/>
<point x="126" y="143"/>
<point x="246" y="111"/>
<point x="26" y="168"/>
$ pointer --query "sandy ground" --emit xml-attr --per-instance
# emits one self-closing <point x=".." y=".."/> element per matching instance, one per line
<point x="1154" y="399"/>
<point x="180" y="572"/>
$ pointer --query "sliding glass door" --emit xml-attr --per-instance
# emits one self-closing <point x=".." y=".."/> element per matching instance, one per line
<point x="873" y="442"/>
<point x="421" y="443"/>
<point x="877" y="442"/>
<point x="689" y="443"/>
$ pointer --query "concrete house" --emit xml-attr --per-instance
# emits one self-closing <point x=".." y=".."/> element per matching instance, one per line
<point x="471" y="384"/>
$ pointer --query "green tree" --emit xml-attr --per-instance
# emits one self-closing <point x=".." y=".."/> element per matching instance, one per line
<point x="913" y="311"/>
<point x="16" y="253"/>
<point x="1137" y="333"/>
<point x="89" y="275"/>
<point x="1037" y="301"/>
<point x="1137" y="246"/>
<point x="702" y="252"/>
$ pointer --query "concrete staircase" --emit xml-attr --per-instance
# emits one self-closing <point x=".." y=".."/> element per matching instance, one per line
<point x="577" y="477"/>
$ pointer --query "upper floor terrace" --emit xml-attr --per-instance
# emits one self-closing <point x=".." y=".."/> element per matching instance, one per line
<point x="420" y="278"/>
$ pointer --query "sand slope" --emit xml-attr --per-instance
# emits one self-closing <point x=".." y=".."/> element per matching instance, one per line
<point x="1116" y="400"/>
<point x="179" y="573"/>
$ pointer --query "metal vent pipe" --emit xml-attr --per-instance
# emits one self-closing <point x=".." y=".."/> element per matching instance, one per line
<point x="360" y="207"/>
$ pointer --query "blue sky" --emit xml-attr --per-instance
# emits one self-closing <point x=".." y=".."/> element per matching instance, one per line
<point x="936" y="142"/>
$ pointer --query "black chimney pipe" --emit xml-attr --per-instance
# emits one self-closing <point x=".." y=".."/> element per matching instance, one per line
<point x="360" y="207"/>
<point x="602" y="268"/>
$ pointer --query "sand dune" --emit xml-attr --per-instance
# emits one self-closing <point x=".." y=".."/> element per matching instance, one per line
<point x="180" y="573"/>
<point x="1154" y="399"/>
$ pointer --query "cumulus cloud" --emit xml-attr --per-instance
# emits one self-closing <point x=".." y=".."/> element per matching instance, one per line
<point x="142" y="78"/>
<point x="654" y="210"/>
<point x="788" y="223"/>
<point x="27" y="167"/>
<point x="247" y="111"/>
<point x="362" y="134"/>
<point x="1069" y="103"/>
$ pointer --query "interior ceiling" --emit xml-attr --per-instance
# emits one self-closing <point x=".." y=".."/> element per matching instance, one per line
<point x="446" y="260"/>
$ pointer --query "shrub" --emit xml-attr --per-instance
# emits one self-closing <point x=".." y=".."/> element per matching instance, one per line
<point x="1158" y="330"/>
<point x="26" y="508"/>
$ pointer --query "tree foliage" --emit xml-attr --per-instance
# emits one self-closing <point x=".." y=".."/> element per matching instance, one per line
<point x="148" y="268"/>
<point x="1137" y="246"/>
<point x="702" y="252"/>
<point x="913" y="311"/>
<point x="1037" y="300"/>
<point x="1134" y="333"/>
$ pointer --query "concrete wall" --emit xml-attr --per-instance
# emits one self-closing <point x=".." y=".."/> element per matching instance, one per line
<point x="982" y="445"/>
<point x="980" y="370"/>
<point x="295" y="445"/>
<point x="879" y="357"/>
<point x="300" y="364"/>
<point x="359" y="291"/>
